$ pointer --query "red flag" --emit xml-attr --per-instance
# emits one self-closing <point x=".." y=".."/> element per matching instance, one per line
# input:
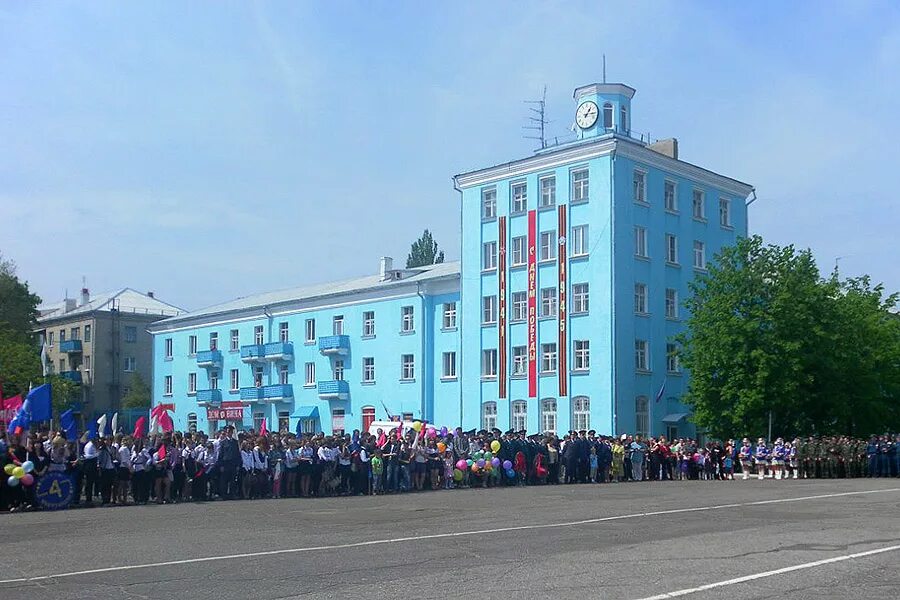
<point x="263" y="431"/>
<point x="161" y="453"/>
<point x="140" y="428"/>
<point x="165" y="421"/>
<point x="157" y="410"/>
<point x="9" y="407"/>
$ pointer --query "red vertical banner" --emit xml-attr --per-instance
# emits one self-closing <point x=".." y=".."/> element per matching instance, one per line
<point x="501" y="316"/>
<point x="563" y="309"/>
<point x="532" y="304"/>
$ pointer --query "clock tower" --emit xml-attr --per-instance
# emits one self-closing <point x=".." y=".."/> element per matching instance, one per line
<point x="603" y="108"/>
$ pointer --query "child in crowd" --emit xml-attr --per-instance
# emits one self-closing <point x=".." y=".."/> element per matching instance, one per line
<point x="448" y="470"/>
<point x="594" y="464"/>
<point x="377" y="472"/>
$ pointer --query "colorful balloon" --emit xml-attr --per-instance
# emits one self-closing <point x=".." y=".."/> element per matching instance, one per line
<point x="12" y="481"/>
<point x="457" y="475"/>
<point x="507" y="465"/>
<point x="470" y="462"/>
<point x="444" y="431"/>
<point x="488" y="456"/>
<point x="18" y="472"/>
<point x="474" y="468"/>
<point x="495" y="446"/>
<point x="8" y="469"/>
<point x="441" y="446"/>
<point x="510" y="473"/>
<point x="480" y="463"/>
<point x="27" y="479"/>
<point x="28" y="466"/>
<point x="417" y="426"/>
<point x="495" y="462"/>
<point x="462" y="465"/>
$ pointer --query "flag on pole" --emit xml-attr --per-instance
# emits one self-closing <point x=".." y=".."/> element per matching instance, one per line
<point x="114" y="426"/>
<point x="263" y="430"/>
<point x="154" y="425"/>
<point x="39" y="403"/>
<point x="140" y="427"/>
<point x="45" y="359"/>
<point x="165" y="422"/>
<point x="91" y="432"/>
<point x="9" y="408"/>
<point x="101" y="425"/>
<point x="662" y="390"/>
<point x="67" y="423"/>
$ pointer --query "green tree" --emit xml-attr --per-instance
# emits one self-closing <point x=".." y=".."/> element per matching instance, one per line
<point x="63" y="392"/>
<point x="20" y="364"/>
<point x="424" y="251"/>
<point x="18" y="306"/>
<point x="138" y="395"/>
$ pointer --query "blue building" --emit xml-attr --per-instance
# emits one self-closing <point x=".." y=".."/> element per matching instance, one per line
<point x="332" y="357"/>
<point x="575" y="264"/>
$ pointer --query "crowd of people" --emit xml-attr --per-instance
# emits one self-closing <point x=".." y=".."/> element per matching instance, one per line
<point x="178" y="467"/>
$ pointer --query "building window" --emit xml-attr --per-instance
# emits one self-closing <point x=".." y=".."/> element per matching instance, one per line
<point x="449" y="362"/>
<point x="76" y="333"/>
<point x="669" y="197"/>
<point x="640" y="298"/>
<point x="407" y="319"/>
<point x="642" y="416"/>
<point x="337" y="325"/>
<point x="213" y="380"/>
<point x="519" y="193"/>
<point x="283" y="374"/>
<point x="369" y="369"/>
<point x="671" y="249"/>
<point x="368" y="417"/>
<point x="581" y="413"/>
<point x="578" y="242"/>
<point x="672" y="362"/>
<point x="699" y="255"/>
<point x="337" y="370"/>
<point x="87" y="333"/>
<point x="548" y="358"/>
<point x="489" y="415"/>
<point x="258" y="419"/>
<point x="489" y="256"/>
<point x="87" y="362"/>
<point x="548" y="302"/>
<point x="284" y="420"/>
<point x="450" y="315"/>
<point x="407" y="416"/>
<point x="213" y="341"/>
<point x="520" y="361"/>
<point x="337" y="421"/>
<point x="623" y="119"/>
<point x="548" y="415"/>
<point x="580" y="298"/>
<point x="519" y="306"/>
<point x="407" y="367"/>
<point x="607" y="115"/>
<point x="50" y="339"/>
<point x="62" y="363"/>
<point x="548" y="191"/>
<point x="130" y="334"/>
<point x="235" y="380"/>
<point x="698" y="205"/>
<point x="369" y="323"/>
<point x="724" y="212"/>
<point x="284" y="333"/>
<point x="62" y="335"/>
<point x="640" y="242"/>
<point x="582" y="358"/>
<point x="641" y="361"/>
<point x="519" y="251"/>
<point x="235" y="343"/>
<point x="639" y="187"/>
<point x="129" y="364"/>
<point x="192" y="422"/>
<point x="489" y="310"/>
<point x="671" y="303"/>
<point x="489" y="363"/>
<point x="548" y="245"/>
<point x="310" y="371"/>
<point x="192" y="383"/>
<point x="489" y="203"/>
<point x="257" y="377"/>
<point x="192" y="345"/>
<point x="519" y="415"/>
<point x="580" y="184"/>
<point x="167" y="385"/>
<point x="310" y="331"/>
<point x="168" y="349"/>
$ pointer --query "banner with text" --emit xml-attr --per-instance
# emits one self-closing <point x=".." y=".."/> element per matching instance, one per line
<point x="501" y="317"/>
<point x="532" y="304"/>
<point x="563" y="308"/>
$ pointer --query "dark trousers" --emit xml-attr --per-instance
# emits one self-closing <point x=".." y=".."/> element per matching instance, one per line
<point x="198" y="487"/>
<point x="91" y="483"/>
<point x="107" y="481"/>
<point x="553" y="473"/>
<point x="228" y="481"/>
<point x="140" y="486"/>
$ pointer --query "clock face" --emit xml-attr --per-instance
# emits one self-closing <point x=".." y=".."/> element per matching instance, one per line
<point x="586" y="115"/>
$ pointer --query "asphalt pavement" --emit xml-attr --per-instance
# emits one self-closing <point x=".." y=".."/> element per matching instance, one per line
<point x="623" y="541"/>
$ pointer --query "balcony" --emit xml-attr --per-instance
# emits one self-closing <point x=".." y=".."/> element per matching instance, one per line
<point x="263" y="352"/>
<point x="210" y="397"/>
<point x="253" y="353"/>
<point x="70" y="347"/>
<point x="268" y="393"/>
<point x="73" y="376"/>
<point x="209" y="358"/>
<point x="334" y="390"/>
<point x="334" y="344"/>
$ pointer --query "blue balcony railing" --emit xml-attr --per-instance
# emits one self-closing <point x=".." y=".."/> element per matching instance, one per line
<point x="209" y="396"/>
<point x="252" y="393"/>
<point x="334" y="389"/>
<point x="279" y="351"/>
<point x="253" y="352"/>
<point x="209" y="358"/>
<point x="73" y="376"/>
<point x="334" y="344"/>
<point x="70" y="346"/>
<point x="268" y="393"/>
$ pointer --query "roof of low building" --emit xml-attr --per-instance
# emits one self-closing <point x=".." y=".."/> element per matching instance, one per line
<point x="125" y="300"/>
<point x="310" y="292"/>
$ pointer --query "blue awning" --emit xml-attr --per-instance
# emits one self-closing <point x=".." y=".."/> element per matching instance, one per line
<point x="675" y="417"/>
<point x="306" y="412"/>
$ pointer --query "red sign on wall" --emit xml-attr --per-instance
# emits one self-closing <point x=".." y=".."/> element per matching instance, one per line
<point x="501" y="317"/>
<point x="225" y="414"/>
<point x="562" y="231"/>
<point x="532" y="304"/>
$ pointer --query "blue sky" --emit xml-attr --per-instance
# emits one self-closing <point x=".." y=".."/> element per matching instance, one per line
<point x="208" y="150"/>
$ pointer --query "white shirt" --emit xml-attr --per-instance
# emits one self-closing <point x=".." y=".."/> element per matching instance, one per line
<point x="90" y="450"/>
<point x="247" y="459"/>
<point x="124" y="456"/>
<point x="260" y="463"/>
<point x="140" y="460"/>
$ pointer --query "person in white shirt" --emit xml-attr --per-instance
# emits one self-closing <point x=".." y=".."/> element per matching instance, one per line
<point x="89" y="469"/>
<point x="125" y="471"/>
<point x="141" y="464"/>
<point x="247" y="467"/>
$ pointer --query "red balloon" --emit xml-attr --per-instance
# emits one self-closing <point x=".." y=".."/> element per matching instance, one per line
<point x="27" y="479"/>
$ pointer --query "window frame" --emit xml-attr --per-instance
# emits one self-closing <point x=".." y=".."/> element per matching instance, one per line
<point x="581" y="355"/>
<point x="641" y="355"/>
<point x="581" y="413"/>
<point x="368" y="324"/>
<point x="579" y="241"/>
<point x="309" y="328"/>
<point x="489" y="256"/>
<point x="449" y="316"/>
<point x="408" y="319"/>
<point x="549" y="415"/>
<point x="489" y="363"/>
<point x="518" y="201"/>
<point x="701" y="253"/>
<point x="639" y="187"/>
<point x="549" y="358"/>
<point x="368" y="370"/>
<point x="579" y="189"/>
<point x="640" y="299"/>
<point x="489" y="310"/>
<point x="547" y="252"/>
<point x="549" y="303"/>
<point x="448" y="365"/>
<point x="543" y="203"/>
<point x="671" y="249"/>
<point x="407" y="367"/>
<point x="670" y="203"/>
<point x="641" y="249"/>
<point x="489" y="207"/>
<point x="581" y="299"/>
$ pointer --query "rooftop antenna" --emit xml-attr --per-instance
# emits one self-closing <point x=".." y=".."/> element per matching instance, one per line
<point x="604" y="68"/>
<point x="538" y="122"/>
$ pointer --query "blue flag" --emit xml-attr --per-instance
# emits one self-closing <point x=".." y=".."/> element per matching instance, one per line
<point x="299" y="427"/>
<point x="67" y="422"/>
<point x="39" y="399"/>
<point x="91" y="429"/>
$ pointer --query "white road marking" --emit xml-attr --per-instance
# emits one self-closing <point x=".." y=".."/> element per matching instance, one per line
<point x="745" y="578"/>
<point x="433" y="536"/>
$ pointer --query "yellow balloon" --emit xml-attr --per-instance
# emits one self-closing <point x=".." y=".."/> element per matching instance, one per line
<point x="8" y="469"/>
<point x="18" y="473"/>
<point x="417" y="425"/>
<point x="495" y="446"/>
<point x="441" y="446"/>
